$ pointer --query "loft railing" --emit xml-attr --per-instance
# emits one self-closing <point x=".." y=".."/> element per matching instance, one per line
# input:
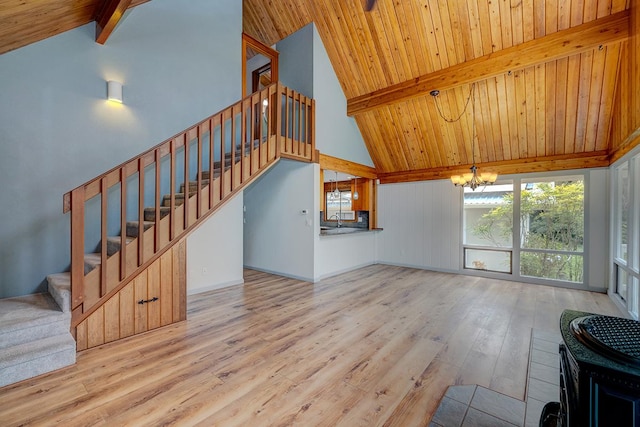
<point x="130" y="215"/>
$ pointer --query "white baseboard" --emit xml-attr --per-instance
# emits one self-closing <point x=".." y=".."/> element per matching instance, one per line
<point x="344" y="270"/>
<point x="201" y="289"/>
<point x="279" y="273"/>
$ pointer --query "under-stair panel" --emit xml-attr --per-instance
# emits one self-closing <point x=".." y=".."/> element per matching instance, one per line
<point x="155" y="298"/>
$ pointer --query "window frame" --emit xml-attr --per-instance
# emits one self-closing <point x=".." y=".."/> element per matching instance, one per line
<point x="516" y="249"/>
<point x="628" y="268"/>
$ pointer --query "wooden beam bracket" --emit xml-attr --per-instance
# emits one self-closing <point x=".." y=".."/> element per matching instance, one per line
<point x="108" y="14"/>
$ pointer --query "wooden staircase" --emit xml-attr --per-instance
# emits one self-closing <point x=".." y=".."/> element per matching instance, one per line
<point x="129" y="225"/>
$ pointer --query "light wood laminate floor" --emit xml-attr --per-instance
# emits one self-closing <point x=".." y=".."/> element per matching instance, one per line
<point x="376" y="346"/>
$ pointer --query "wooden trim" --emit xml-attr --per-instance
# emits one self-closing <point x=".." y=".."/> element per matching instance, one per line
<point x="156" y="204"/>
<point x="258" y="46"/>
<point x="123" y="224"/>
<point x="542" y="164"/>
<point x="582" y="38"/>
<point x="77" y="247"/>
<point x="185" y="193"/>
<point x="172" y="190"/>
<point x="140" y="211"/>
<point x="109" y="13"/>
<point x="373" y="204"/>
<point x="103" y="235"/>
<point x="346" y="166"/>
<point x="625" y="146"/>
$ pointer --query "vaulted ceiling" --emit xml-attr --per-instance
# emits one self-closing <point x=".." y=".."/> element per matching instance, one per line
<point x="23" y="22"/>
<point x="547" y="78"/>
<point x="555" y="82"/>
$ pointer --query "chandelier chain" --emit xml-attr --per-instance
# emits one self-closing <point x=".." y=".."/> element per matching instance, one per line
<point x="473" y="179"/>
<point x="464" y="110"/>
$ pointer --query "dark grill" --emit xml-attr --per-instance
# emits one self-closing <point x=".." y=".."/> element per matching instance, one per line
<point x="613" y="337"/>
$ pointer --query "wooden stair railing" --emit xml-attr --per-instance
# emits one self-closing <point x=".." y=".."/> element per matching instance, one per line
<point x="153" y="200"/>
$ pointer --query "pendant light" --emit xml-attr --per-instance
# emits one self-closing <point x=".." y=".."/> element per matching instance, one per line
<point x="355" y="196"/>
<point x="472" y="179"/>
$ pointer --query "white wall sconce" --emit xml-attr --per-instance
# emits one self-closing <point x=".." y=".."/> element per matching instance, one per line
<point x="114" y="91"/>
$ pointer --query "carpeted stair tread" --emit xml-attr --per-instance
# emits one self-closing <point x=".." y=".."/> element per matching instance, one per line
<point x="34" y="358"/>
<point x="193" y="186"/>
<point x="91" y="261"/>
<point x="27" y="311"/>
<point x="133" y="226"/>
<point x="150" y="213"/>
<point x="179" y="199"/>
<point x="206" y="175"/>
<point x="59" y="286"/>
<point x="114" y="242"/>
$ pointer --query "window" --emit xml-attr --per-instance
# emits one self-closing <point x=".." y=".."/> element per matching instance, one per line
<point x="339" y="203"/>
<point x="626" y="234"/>
<point x="545" y="217"/>
<point x="622" y="212"/>
<point x="552" y="229"/>
<point x="488" y="228"/>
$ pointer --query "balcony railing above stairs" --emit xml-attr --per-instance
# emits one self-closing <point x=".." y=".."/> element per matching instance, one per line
<point x="126" y="218"/>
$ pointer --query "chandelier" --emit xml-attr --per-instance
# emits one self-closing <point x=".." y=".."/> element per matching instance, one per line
<point x="473" y="179"/>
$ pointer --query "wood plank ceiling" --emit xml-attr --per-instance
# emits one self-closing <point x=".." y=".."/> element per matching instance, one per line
<point x="545" y="75"/>
<point x="25" y="22"/>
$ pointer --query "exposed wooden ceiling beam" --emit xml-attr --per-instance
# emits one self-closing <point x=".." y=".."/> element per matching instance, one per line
<point x="108" y="14"/>
<point x="582" y="38"/>
<point x="539" y="164"/>
<point x="346" y="166"/>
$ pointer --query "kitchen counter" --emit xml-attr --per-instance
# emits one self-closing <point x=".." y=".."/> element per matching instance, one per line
<point x="335" y="231"/>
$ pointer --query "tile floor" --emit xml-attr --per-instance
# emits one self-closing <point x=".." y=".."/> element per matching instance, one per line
<point x="477" y="406"/>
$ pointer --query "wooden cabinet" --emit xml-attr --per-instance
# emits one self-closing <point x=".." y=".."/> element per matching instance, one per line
<point x="362" y="186"/>
<point x="156" y="297"/>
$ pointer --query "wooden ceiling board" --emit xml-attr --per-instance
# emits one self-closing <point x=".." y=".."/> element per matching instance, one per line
<point x="530" y="113"/>
<point x="610" y="87"/>
<point x="605" y="31"/>
<point x="25" y="22"/>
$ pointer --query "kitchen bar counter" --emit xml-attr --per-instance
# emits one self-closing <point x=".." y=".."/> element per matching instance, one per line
<point x="335" y="231"/>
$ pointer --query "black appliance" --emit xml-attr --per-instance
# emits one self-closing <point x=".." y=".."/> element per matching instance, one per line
<point x="599" y="373"/>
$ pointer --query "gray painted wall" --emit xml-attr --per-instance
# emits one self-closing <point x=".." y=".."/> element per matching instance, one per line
<point x="278" y="238"/>
<point x="179" y="62"/>
<point x="295" y="61"/>
<point x="337" y="134"/>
